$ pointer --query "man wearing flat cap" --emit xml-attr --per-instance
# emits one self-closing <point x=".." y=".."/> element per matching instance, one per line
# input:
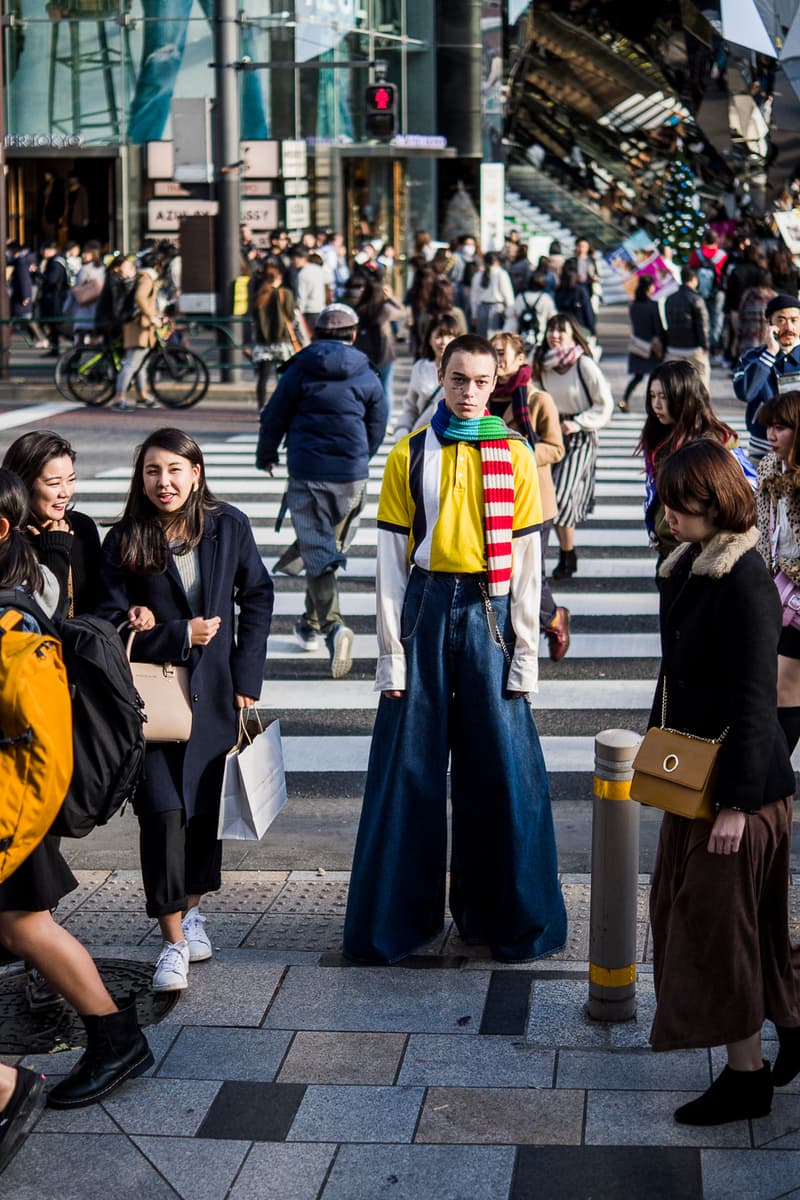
<point x="330" y="408"/>
<point x="765" y="371"/>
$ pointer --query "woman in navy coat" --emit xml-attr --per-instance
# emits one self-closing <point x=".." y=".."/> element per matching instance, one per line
<point x="180" y="560"/>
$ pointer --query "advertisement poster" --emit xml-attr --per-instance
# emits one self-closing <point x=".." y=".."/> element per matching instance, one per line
<point x="789" y="226"/>
<point x="638" y="255"/>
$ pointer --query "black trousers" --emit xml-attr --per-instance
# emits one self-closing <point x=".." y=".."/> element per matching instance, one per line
<point x="179" y="859"/>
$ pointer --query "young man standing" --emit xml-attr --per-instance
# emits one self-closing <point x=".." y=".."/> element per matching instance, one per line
<point x="458" y="583"/>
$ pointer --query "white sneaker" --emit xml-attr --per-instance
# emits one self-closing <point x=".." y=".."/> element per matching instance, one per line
<point x="172" y="968"/>
<point x="196" y="936"/>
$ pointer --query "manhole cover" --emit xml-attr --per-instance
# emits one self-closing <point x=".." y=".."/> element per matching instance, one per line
<point x="24" y="1032"/>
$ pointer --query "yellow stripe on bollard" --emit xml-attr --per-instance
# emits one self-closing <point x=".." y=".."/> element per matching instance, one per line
<point x="612" y="789"/>
<point x="612" y="977"/>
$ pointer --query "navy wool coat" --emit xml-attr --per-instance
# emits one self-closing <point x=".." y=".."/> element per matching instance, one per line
<point x="189" y="776"/>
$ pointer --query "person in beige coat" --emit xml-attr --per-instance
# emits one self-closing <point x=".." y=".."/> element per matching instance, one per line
<point x="139" y="335"/>
<point x="533" y="414"/>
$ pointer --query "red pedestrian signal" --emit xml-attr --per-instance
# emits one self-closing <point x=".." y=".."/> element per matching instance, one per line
<point x="381" y="111"/>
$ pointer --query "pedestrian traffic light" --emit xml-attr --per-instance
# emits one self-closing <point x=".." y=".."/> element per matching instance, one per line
<point x="381" y="111"/>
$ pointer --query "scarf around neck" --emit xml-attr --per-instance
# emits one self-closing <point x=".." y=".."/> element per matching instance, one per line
<point x="516" y="386"/>
<point x="491" y="435"/>
<point x="560" y="361"/>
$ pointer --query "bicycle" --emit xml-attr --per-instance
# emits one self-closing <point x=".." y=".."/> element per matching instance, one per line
<point x="177" y="377"/>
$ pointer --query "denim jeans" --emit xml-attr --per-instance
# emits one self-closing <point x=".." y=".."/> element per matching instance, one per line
<point x="504" y="887"/>
<point x="166" y="24"/>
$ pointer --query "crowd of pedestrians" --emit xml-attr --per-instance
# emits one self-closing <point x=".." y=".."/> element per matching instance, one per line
<point x="496" y="443"/>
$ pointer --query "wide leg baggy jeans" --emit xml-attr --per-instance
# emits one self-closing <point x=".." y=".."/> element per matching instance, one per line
<point x="504" y="887"/>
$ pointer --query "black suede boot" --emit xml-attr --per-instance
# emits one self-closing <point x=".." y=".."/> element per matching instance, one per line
<point x="787" y="1064"/>
<point x="567" y="564"/>
<point x="733" y="1096"/>
<point x="116" y="1050"/>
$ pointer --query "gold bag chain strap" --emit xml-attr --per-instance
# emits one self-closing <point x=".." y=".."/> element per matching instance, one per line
<point x="693" y="736"/>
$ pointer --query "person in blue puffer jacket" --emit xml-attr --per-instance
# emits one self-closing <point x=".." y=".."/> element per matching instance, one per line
<point x="330" y="407"/>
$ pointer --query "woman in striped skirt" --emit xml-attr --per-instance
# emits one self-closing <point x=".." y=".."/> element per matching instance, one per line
<point x="564" y="367"/>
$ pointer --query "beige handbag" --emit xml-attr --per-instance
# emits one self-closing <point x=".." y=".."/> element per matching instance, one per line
<point x="164" y="689"/>
<point x="676" y="772"/>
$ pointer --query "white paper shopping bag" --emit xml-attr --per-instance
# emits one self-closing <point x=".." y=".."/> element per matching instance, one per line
<point x="253" y="785"/>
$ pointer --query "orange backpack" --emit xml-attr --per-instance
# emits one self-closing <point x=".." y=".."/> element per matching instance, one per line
<point x="35" y="738"/>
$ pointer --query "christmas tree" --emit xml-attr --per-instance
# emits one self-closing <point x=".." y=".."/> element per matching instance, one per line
<point x="683" y="222"/>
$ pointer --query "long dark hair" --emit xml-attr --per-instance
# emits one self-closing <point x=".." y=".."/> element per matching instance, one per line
<point x="644" y="287"/>
<point x="144" y="549"/>
<point x="19" y="566"/>
<point x="369" y="305"/>
<point x="489" y="261"/>
<point x="690" y="407"/>
<point x="784" y="410"/>
<point x="29" y="455"/>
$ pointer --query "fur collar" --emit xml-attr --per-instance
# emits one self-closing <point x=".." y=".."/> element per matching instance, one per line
<point x="718" y="558"/>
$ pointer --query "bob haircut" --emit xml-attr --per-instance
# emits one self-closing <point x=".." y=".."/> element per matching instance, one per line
<point x="442" y="321"/>
<point x="29" y="455"/>
<point x="784" y="410"/>
<point x="468" y="343"/>
<point x="144" y="548"/>
<point x="704" y="479"/>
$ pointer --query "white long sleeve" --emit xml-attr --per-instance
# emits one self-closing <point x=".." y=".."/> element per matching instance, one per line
<point x="525" y="599"/>
<point x="391" y="578"/>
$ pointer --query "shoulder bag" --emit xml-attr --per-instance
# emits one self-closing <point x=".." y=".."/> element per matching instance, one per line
<point x="164" y="690"/>
<point x="675" y="771"/>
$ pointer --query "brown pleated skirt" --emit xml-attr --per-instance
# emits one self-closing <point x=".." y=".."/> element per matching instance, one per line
<point x="722" y="957"/>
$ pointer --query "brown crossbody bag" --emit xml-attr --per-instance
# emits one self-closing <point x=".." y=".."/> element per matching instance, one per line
<point x="676" y="771"/>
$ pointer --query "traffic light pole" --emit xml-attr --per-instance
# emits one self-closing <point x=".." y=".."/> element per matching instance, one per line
<point x="227" y="169"/>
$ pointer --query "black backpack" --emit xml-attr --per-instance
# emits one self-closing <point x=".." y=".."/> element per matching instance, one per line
<point x="107" y="720"/>
<point x="528" y="322"/>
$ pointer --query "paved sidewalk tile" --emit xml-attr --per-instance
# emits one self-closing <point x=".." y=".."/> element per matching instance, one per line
<point x="756" y="1174"/>
<point x="380" y="999"/>
<point x="93" y="1119"/>
<point x="105" y="927"/>
<point x="226" y="930"/>
<point x="256" y="1112"/>
<point x="781" y="1129"/>
<point x="202" y="1053"/>
<point x="501" y="1115"/>
<point x="558" y="1017"/>
<point x="60" y="1166"/>
<point x="357" y="1114"/>
<point x="283" y="1171"/>
<point x="421" y="1173"/>
<point x="608" y="1173"/>
<point x="645" y="1119"/>
<point x="286" y="931"/>
<point x="122" y="892"/>
<point x="634" y="1070"/>
<point x="245" y="891"/>
<point x="197" y="1169"/>
<point x="88" y="883"/>
<point x="314" y="897"/>
<point x="339" y="1058"/>
<point x="162" y="1106"/>
<point x="450" y="1061"/>
<point x="226" y="992"/>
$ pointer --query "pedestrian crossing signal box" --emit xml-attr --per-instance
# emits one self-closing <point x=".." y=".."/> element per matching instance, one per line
<point x="381" y="111"/>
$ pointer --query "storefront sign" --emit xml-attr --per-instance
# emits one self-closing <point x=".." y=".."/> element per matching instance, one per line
<point x="260" y="159"/>
<point x="492" y="205"/>
<point x="298" y="213"/>
<point x="256" y="187"/>
<point x="293" y="160"/>
<point x="164" y="215"/>
<point x="421" y="141"/>
<point x="295" y="187"/>
<point x="43" y="141"/>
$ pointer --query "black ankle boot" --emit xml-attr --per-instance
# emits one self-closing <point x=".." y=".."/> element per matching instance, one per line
<point x="733" y="1096"/>
<point x="567" y="564"/>
<point x="116" y="1050"/>
<point x="787" y="1064"/>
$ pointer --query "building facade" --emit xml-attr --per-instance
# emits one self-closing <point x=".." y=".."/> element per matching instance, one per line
<point x="109" y="114"/>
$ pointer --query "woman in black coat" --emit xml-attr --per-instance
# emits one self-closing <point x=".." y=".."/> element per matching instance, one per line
<point x="183" y="559"/>
<point x="718" y="906"/>
<point x="573" y="298"/>
<point x="65" y="541"/>
<point x="648" y="337"/>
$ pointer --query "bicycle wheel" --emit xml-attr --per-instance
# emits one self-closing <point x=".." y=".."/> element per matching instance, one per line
<point x="86" y="374"/>
<point x="178" y="378"/>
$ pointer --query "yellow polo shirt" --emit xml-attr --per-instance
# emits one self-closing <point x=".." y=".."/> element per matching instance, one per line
<point x="433" y="493"/>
